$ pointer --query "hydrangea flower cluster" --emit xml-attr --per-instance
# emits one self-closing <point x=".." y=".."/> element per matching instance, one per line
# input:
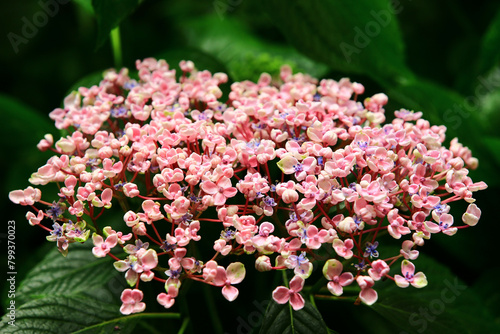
<point x="285" y="169"/>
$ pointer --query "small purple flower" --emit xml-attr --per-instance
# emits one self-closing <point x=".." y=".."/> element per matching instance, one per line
<point x="55" y="210"/>
<point x="371" y="249"/>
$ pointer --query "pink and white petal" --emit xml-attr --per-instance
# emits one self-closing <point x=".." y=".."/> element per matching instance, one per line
<point x="334" y="288"/>
<point x="139" y="307"/>
<point x="230" y="292"/>
<point x="346" y="279"/>
<point x="219" y="199"/>
<point x="450" y="231"/>
<point x="472" y="215"/>
<point x="297" y="301"/>
<point x="107" y="195"/>
<point x="419" y="280"/>
<point x="224" y="182"/>
<point x="332" y="268"/>
<point x="126" y="309"/>
<point x="401" y="281"/>
<point x="97" y="239"/>
<point x="230" y="192"/>
<point x="286" y="164"/>
<point x="131" y="277"/>
<point x="149" y="260"/>
<point x="368" y="296"/>
<point x="281" y="295"/>
<point x="165" y="300"/>
<point x="235" y="272"/>
<point x="407" y="267"/>
<point x="221" y="277"/>
<point x="297" y="283"/>
<point x="209" y="187"/>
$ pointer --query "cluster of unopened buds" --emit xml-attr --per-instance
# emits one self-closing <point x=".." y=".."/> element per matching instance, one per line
<point x="285" y="169"/>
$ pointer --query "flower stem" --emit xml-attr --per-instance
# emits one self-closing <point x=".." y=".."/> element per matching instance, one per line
<point x="116" y="46"/>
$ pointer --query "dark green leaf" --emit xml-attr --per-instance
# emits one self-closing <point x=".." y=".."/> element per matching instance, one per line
<point x="25" y="129"/>
<point x="59" y="314"/>
<point x="109" y="14"/>
<point x="79" y="271"/>
<point x="350" y="36"/>
<point x="280" y="318"/>
<point x="86" y="5"/>
<point x="245" y="56"/>
<point x="445" y="305"/>
<point x="489" y="56"/>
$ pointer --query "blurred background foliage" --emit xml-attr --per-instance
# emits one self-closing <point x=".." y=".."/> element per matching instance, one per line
<point x="440" y="57"/>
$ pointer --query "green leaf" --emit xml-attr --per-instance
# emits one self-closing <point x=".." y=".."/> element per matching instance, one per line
<point x="63" y="276"/>
<point x="58" y="314"/>
<point x="25" y="129"/>
<point x="280" y="318"/>
<point x="245" y="56"/>
<point x="109" y="14"/>
<point x="350" y="36"/>
<point x="445" y="305"/>
<point x="86" y="5"/>
<point x="489" y="55"/>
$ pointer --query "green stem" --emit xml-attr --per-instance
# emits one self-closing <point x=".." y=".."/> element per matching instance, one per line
<point x="117" y="47"/>
<point x="212" y="309"/>
<point x="140" y="315"/>
<point x="185" y="323"/>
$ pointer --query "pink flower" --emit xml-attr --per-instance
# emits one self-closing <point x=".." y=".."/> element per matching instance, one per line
<point x="418" y="280"/>
<point x="131" y="300"/>
<point x="343" y="248"/>
<point x="34" y="220"/>
<point x="130" y="190"/>
<point x="167" y="300"/>
<point x="28" y="196"/>
<point x="367" y="294"/>
<point x="332" y="271"/>
<point x="282" y="295"/>
<point x="315" y="238"/>
<point x="407" y="252"/>
<point x="234" y="274"/>
<point x="472" y="215"/>
<point x="220" y="191"/>
<point x="445" y="222"/>
<point x="378" y="270"/>
<point x="103" y="247"/>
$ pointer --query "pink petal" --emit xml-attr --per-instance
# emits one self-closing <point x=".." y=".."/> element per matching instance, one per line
<point x="219" y="199"/>
<point x="401" y="281"/>
<point x="235" y="272"/>
<point x="230" y="292"/>
<point x="107" y="195"/>
<point x="296" y="284"/>
<point x="281" y="295"/>
<point x="221" y="277"/>
<point x="224" y="182"/>
<point x="16" y="196"/>
<point x="297" y="301"/>
<point x="149" y="260"/>
<point x="407" y="267"/>
<point x="332" y="268"/>
<point x="368" y="296"/>
<point x="334" y="288"/>
<point x="209" y="187"/>
<point x="472" y="215"/>
<point x="419" y="280"/>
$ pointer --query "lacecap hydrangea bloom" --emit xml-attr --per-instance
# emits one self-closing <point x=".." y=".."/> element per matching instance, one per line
<point x="286" y="169"/>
